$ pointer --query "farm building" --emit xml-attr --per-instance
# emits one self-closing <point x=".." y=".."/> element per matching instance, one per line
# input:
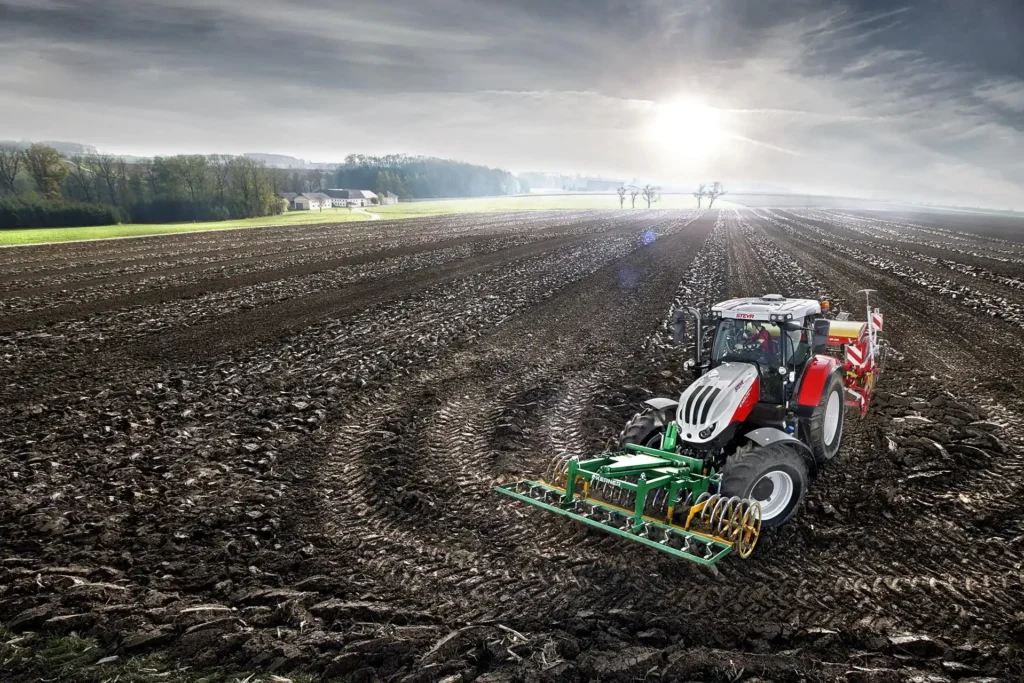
<point x="341" y="197"/>
<point x="307" y="201"/>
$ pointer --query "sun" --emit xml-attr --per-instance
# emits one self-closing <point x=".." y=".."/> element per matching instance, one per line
<point x="686" y="128"/>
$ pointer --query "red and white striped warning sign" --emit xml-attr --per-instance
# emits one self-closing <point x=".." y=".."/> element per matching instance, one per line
<point x="876" y="320"/>
<point x="855" y="355"/>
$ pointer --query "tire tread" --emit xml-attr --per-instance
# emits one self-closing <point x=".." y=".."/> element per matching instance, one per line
<point x="815" y="424"/>
<point x="748" y="465"/>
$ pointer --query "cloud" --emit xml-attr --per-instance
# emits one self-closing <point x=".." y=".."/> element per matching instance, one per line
<point x="911" y="102"/>
<point x="1006" y="94"/>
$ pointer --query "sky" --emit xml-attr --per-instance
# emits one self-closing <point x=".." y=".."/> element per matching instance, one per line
<point x="919" y="101"/>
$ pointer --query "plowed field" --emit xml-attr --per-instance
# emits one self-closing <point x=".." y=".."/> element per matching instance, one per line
<point x="273" y="450"/>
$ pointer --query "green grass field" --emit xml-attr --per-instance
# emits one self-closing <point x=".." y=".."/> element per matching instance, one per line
<point x="37" y="235"/>
<point x="395" y="211"/>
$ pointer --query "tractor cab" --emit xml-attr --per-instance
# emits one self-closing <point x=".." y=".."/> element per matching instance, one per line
<point x="771" y="332"/>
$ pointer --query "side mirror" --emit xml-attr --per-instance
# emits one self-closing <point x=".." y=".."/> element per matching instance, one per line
<point x="820" y="342"/>
<point x="679" y="327"/>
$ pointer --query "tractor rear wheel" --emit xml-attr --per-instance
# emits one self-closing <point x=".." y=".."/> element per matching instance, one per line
<point x="645" y="429"/>
<point x="774" y="475"/>
<point x="825" y="425"/>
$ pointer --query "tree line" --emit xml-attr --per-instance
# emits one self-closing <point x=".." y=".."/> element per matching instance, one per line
<point x="650" y="194"/>
<point x="424" y="177"/>
<point x="714" y="192"/>
<point x="41" y="188"/>
<point x="409" y="177"/>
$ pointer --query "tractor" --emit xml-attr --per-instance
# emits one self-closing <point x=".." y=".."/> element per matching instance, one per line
<point x="699" y="477"/>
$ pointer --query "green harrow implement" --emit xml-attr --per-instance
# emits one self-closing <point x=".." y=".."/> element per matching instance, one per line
<point x="653" y="496"/>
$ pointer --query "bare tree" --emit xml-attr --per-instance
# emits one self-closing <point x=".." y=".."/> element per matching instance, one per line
<point x="121" y="170"/>
<point x="106" y="170"/>
<point x="84" y="177"/>
<point x="622" y="197"/>
<point x="699" y="194"/>
<point x="634" y="192"/>
<point x="46" y="167"/>
<point x="251" y="187"/>
<point x="193" y="171"/>
<point x="650" y="194"/>
<point x="11" y="159"/>
<point x="221" y="169"/>
<point x="715" y="192"/>
<point x="151" y="169"/>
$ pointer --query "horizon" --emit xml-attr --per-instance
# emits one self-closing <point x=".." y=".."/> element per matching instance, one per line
<point x="911" y="103"/>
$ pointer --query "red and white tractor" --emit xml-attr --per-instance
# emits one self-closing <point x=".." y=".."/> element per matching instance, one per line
<point x="698" y="477"/>
<point x="767" y="408"/>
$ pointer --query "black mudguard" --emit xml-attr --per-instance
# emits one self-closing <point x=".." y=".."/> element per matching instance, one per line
<point x="664" y="406"/>
<point x="766" y="436"/>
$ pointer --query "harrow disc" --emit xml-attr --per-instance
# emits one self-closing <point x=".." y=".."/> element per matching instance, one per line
<point x="734" y="520"/>
<point x="750" y="529"/>
<point x="656" y="505"/>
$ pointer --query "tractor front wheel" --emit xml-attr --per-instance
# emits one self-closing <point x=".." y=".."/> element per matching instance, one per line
<point x="825" y="425"/>
<point x="775" y="476"/>
<point x="645" y="429"/>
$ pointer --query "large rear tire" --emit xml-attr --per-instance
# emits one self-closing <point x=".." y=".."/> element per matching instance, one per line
<point x="645" y="429"/>
<point x="825" y="425"/>
<point x="774" y="475"/>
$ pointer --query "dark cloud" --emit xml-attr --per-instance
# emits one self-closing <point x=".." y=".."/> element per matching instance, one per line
<point x="843" y="96"/>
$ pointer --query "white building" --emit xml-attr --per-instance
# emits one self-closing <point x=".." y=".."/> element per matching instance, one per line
<point x="341" y="197"/>
<point x="310" y="201"/>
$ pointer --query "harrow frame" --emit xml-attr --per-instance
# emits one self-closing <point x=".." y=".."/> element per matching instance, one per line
<point x="681" y="477"/>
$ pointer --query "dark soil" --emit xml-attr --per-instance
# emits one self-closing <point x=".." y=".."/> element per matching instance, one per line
<point x="273" y="451"/>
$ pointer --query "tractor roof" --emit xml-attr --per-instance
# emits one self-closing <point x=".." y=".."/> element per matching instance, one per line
<point x="769" y="307"/>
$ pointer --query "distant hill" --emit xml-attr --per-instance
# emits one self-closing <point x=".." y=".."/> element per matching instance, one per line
<point x="65" y="148"/>
<point x="574" y="183"/>
<point x="285" y="161"/>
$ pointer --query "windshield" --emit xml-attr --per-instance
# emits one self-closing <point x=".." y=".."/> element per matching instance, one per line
<point x="747" y="341"/>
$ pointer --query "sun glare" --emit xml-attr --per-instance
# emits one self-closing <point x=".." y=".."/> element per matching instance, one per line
<point x="686" y="128"/>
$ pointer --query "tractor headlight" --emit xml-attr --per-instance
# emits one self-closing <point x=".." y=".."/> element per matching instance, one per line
<point x="708" y="431"/>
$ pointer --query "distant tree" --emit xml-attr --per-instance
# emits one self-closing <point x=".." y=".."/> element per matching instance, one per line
<point x="699" y="194"/>
<point x="149" y="169"/>
<point x="634" y="192"/>
<point x="220" y="167"/>
<point x="193" y="170"/>
<point x="11" y="161"/>
<point x="252" y="190"/>
<point x="622" y="197"/>
<point x="105" y="167"/>
<point x="33" y="211"/>
<point x="313" y="181"/>
<point x="47" y="169"/>
<point x="715" y="192"/>
<point x="424" y="177"/>
<point x="83" y="176"/>
<point x="650" y="194"/>
<point x="123" y="183"/>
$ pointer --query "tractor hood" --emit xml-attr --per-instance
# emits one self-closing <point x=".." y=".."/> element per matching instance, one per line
<point x="707" y="406"/>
